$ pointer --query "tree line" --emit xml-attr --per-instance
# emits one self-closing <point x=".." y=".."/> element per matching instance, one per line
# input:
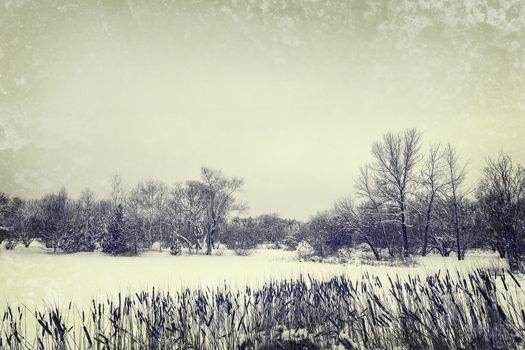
<point x="128" y="221"/>
<point x="409" y="199"/>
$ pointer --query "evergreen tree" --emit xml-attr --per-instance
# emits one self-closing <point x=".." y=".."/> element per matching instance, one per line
<point x="176" y="248"/>
<point x="80" y="239"/>
<point x="116" y="243"/>
<point x="82" y="235"/>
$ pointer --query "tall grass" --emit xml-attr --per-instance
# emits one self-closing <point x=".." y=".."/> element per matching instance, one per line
<point x="477" y="310"/>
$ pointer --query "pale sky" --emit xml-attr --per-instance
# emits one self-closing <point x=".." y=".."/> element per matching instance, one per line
<point x="287" y="95"/>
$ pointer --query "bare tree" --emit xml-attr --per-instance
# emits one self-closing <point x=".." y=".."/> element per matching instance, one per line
<point x="455" y="195"/>
<point x="117" y="191"/>
<point x="219" y="193"/>
<point x="433" y="182"/>
<point x="149" y="200"/>
<point x="348" y="217"/>
<point x="501" y="197"/>
<point x="366" y="188"/>
<point x="24" y="220"/>
<point x="189" y="201"/>
<point x="56" y="217"/>
<point x="394" y="173"/>
<point x="4" y="217"/>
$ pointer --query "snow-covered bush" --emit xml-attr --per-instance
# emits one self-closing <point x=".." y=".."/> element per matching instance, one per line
<point x="242" y="252"/>
<point x="10" y="244"/>
<point x="304" y="250"/>
<point x="219" y="250"/>
<point x="344" y="255"/>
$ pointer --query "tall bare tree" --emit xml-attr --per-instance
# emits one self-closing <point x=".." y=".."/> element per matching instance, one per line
<point x="366" y="188"/>
<point x="149" y="200"/>
<point x="455" y="194"/>
<point x="189" y="201"/>
<point x="433" y="182"/>
<point x="396" y="157"/>
<point x="219" y="193"/>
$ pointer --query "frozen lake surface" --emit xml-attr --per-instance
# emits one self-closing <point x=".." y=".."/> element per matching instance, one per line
<point x="33" y="275"/>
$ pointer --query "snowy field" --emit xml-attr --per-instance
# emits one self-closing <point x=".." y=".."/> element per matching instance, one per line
<point x="34" y="275"/>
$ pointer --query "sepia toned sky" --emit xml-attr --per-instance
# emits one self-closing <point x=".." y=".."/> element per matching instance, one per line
<point x="288" y="95"/>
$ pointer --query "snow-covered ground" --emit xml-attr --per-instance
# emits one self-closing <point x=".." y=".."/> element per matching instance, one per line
<point x="33" y="275"/>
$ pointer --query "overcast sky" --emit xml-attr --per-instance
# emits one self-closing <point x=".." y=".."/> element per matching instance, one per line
<point x="288" y="95"/>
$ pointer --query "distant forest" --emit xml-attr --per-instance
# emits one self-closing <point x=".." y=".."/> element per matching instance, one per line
<point x="411" y="199"/>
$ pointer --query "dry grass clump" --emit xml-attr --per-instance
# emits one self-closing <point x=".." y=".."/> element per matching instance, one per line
<point x="478" y="310"/>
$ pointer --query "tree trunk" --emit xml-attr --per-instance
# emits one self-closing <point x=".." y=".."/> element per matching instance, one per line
<point x="209" y="241"/>
<point x="501" y="251"/>
<point x="160" y="237"/>
<point x="425" y="242"/>
<point x="135" y="247"/>
<point x="513" y="255"/>
<point x="404" y="228"/>
<point x="458" y="241"/>
<point x="456" y="221"/>
<point x="374" y="250"/>
<point x="427" y="227"/>
<point x="150" y="235"/>
<point x="458" y="246"/>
